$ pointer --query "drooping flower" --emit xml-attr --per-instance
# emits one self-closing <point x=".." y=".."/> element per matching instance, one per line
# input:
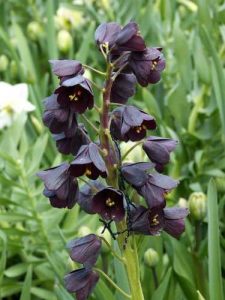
<point x="70" y="141"/>
<point x="153" y="187"/>
<point x="88" y="162"/>
<point x="86" y="194"/>
<point x="123" y="88"/>
<point x="106" y="34"/>
<point x="66" y="69"/>
<point x="153" y="221"/>
<point x="109" y="204"/>
<point x="60" y="186"/>
<point x="76" y="94"/>
<point x="130" y="123"/>
<point x="81" y="282"/>
<point x="85" y="250"/>
<point x="13" y="102"/>
<point x="147" y="65"/>
<point x="57" y="118"/>
<point x="158" y="150"/>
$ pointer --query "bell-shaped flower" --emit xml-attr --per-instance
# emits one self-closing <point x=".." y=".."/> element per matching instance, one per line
<point x="89" y="162"/>
<point x="130" y="123"/>
<point x="123" y="88"/>
<point x="81" y="282"/>
<point x="85" y="250"/>
<point x="60" y="186"/>
<point x="158" y="150"/>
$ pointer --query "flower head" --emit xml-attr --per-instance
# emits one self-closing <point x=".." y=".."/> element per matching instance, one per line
<point x="88" y="162"/>
<point x="153" y="221"/>
<point x="85" y="250"/>
<point x="130" y="123"/>
<point x="81" y="282"/>
<point x="158" y="150"/>
<point x="123" y="88"/>
<point x="147" y="65"/>
<point x="109" y="204"/>
<point x="106" y="34"/>
<point x="76" y="94"/>
<point x="60" y="186"/>
<point x="13" y="101"/>
<point x="70" y="141"/>
<point x="66" y="69"/>
<point x="58" y="119"/>
<point x="153" y="187"/>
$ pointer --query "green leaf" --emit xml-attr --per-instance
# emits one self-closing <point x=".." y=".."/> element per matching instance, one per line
<point x="42" y="293"/>
<point x="103" y="292"/>
<point x="62" y="294"/>
<point x="16" y="270"/>
<point x="214" y="264"/>
<point x="25" y="294"/>
<point x="161" y="291"/>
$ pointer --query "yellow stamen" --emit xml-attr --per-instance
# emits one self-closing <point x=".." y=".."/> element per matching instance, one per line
<point x="109" y="202"/>
<point x="155" y="220"/>
<point x="87" y="172"/>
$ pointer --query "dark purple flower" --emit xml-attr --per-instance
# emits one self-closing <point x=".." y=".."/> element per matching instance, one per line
<point x="158" y="150"/>
<point x="129" y="39"/>
<point x="81" y="282"/>
<point x="75" y="93"/>
<point x="57" y="118"/>
<point x="109" y="204"/>
<point x="153" y="187"/>
<point x="130" y="123"/>
<point x="147" y="65"/>
<point x="123" y="88"/>
<point x="60" y="187"/>
<point x="86" y="194"/>
<point x="88" y="162"/>
<point x="65" y="69"/>
<point x="85" y="250"/>
<point x="153" y="221"/>
<point x="106" y="34"/>
<point x="70" y="141"/>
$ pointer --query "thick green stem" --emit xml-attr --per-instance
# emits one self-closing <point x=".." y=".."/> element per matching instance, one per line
<point x="129" y="254"/>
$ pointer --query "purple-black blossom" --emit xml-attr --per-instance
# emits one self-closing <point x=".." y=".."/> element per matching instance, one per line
<point x="81" y="282"/>
<point x="85" y="250"/>
<point x="89" y="162"/>
<point x="123" y="88"/>
<point x="153" y="221"/>
<point x="130" y="123"/>
<point x="60" y="186"/>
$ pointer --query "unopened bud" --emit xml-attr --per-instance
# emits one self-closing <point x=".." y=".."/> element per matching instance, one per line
<point x="83" y="231"/>
<point x="151" y="258"/>
<point x="4" y="62"/>
<point x="34" y="31"/>
<point x="106" y="235"/>
<point x="197" y="205"/>
<point x="64" y="40"/>
<point x="13" y="68"/>
<point x="182" y="202"/>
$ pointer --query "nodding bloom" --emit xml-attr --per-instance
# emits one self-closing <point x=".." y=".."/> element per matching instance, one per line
<point x="85" y="250"/>
<point x="60" y="186"/>
<point x="76" y="94"/>
<point x="88" y="162"/>
<point x="158" y="150"/>
<point x="70" y="141"/>
<point x="87" y="191"/>
<point x="130" y="123"/>
<point x="123" y="88"/>
<point x="81" y="282"/>
<point x="66" y="69"/>
<point x="147" y="65"/>
<point x="153" y="221"/>
<point x="153" y="187"/>
<point x="115" y="38"/>
<point x="57" y="118"/>
<point x="109" y="204"/>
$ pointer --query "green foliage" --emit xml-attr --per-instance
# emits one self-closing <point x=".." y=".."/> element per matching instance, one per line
<point x="189" y="104"/>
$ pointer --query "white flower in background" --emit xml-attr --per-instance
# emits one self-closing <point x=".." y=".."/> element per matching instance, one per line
<point x="68" y="18"/>
<point x="13" y="101"/>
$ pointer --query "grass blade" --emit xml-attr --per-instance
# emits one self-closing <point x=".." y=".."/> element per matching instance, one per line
<point x="215" y="278"/>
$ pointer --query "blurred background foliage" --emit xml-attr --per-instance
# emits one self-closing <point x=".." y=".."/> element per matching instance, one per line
<point x="188" y="103"/>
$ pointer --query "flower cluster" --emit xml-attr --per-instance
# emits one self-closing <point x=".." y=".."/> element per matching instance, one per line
<point x="129" y="62"/>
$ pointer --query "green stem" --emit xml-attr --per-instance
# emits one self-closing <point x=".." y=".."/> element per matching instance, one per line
<point x="89" y="123"/>
<point x="113" y="283"/>
<point x="131" y="149"/>
<point x="93" y="69"/>
<point x="112" y="251"/>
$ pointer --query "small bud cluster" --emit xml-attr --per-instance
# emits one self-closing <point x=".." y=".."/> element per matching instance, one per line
<point x="129" y="62"/>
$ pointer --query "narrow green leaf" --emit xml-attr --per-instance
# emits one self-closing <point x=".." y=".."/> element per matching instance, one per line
<point x="214" y="265"/>
<point x="25" y="293"/>
<point x="16" y="270"/>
